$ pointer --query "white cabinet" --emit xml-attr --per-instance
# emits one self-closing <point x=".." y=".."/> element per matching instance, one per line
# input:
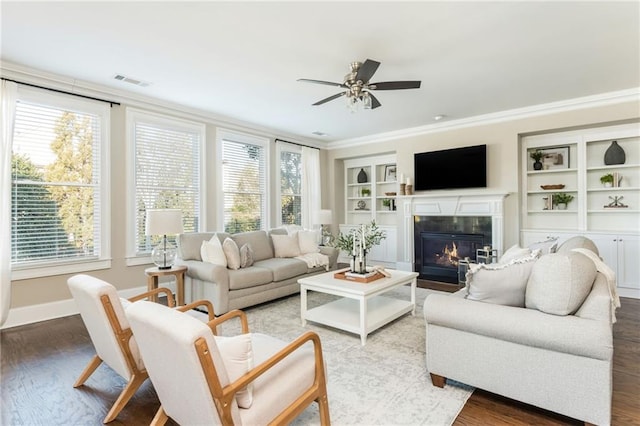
<point x="622" y="254"/>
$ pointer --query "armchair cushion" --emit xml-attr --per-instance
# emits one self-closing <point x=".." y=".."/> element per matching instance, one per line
<point x="560" y="282"/>
<point x="502" y="284"/>
<point x="237" y="357"/>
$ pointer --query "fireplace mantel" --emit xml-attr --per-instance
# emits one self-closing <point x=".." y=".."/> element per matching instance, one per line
<point x="458" y="203"/>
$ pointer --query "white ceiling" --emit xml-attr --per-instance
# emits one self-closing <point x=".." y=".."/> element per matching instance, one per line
<point x="241" y="60"/>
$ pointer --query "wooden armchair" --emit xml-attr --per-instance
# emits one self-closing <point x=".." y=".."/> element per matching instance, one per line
<point x="199" y="377"/>
<point x="102" y="312"/>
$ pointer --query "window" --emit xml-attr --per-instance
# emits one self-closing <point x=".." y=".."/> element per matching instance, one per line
<point x="166" y="173"/>
<point x="290" y="184"/>
<point x="244" y="182"/>
<point x="60" y="182"/>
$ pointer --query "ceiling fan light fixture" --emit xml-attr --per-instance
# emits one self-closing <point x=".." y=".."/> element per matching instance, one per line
<point x="366" y="100"/>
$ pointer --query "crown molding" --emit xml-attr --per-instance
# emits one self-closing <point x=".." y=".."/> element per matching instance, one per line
<point x="80" y="87"/>
<point x="603" y="99"/>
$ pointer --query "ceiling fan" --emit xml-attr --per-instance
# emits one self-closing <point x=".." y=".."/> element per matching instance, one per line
<point x="358" y="88"/>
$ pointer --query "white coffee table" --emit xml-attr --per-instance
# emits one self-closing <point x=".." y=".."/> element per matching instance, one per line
<point x="362" y="308"/>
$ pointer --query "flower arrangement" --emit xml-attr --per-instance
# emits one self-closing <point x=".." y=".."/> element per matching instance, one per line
<point x="358" y="241"/>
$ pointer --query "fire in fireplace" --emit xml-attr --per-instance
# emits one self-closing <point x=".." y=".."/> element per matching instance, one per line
<point x="441" y="252"/>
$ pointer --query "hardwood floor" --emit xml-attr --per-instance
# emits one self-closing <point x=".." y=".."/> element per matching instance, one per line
<point x="40" y="362"/>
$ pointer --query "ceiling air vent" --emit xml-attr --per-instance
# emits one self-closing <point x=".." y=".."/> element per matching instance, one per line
<point x="126" y="79"/>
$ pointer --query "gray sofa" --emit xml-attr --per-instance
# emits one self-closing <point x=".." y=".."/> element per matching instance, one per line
<point x="267" y="279"/>
<point x="560" y="363"/>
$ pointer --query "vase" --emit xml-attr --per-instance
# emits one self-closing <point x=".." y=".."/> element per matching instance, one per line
<point x="362" y="176"/>
<point x="537" y="165"/>
<point x="614" y="154"/>
<point x="562" y="206"/>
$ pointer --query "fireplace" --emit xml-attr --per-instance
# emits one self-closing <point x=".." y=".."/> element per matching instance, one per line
<point x="438" y="254"/>
<point x="441" y="241"/>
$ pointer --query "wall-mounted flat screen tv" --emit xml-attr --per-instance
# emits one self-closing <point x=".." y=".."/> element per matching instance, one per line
<point x="455" y="168"/>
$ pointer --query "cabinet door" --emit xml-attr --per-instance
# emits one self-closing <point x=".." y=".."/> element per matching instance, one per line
<point x="628" y="274"/>
<point x="608" y="250"/>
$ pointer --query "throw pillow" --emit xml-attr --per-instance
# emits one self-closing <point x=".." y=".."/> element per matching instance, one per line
<point x="237" y="356"/>
<point x="286" y="245"/>
<point x="514" y="252"/>
<point x="560" y="282"/>
<point x="232" y="253"/>
<point x="246" y="256"/>
<point x="308" y="241"/>
<point x="545" y="247"/>
<point x="211" y="252"/>
<point x="500" y="283"/>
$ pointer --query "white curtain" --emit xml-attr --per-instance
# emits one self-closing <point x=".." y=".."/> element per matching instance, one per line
<point x="8" y="96"/>
<point x="311" y="184"/>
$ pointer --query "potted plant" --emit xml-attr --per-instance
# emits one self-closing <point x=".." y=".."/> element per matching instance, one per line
<point x="365" y="192"/>
<point x="362" y="236"/>
<point x="561" y="199"/>
<point x="607" y="180"/>
<point x="536" y="156"/>
<point x="386" y="202"/>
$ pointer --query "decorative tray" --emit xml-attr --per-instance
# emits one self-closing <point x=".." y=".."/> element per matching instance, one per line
<point x="390" y="194"/>
<point x="342" y="276"/>
<point x="557" y="186"/>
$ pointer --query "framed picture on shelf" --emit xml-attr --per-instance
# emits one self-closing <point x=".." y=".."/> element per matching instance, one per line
<point x="555" y="158"/>
<point x="390" y="173"/>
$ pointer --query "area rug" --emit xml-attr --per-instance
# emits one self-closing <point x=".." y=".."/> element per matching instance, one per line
<point x="384" y="382"/>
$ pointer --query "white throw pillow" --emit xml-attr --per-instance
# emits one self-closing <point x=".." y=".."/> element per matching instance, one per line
<point x="308" y="241"/>
<point x="545" y="247"/>
<point x="514" y="252"/>
<point x="560" y="282"/>
<point x="286" y="245"/>
<point x="211" y="252"/>
<point x="246" y="255"/>
<point x="232" y="253"/>
<point x="500" y="283"/>
<point x="237" y="356"/>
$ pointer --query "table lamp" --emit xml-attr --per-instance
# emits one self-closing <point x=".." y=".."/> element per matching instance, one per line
<point x="163" y="222"/>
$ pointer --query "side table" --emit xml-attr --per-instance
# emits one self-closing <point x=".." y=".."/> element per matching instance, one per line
<point x="177" y="271"/>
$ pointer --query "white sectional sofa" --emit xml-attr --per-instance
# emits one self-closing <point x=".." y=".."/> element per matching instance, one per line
<point x="558" y="361"/>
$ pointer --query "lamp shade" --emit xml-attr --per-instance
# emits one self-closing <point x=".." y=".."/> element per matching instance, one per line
<point x="323" y="217"/>
<point x="163" y="222"/>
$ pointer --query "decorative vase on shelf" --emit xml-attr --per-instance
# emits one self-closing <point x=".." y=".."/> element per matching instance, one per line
<point x="614" y="154"/>
<point x="362" y="176"/>
<point x="562" y="206"/>
<point x="537" y="165"/>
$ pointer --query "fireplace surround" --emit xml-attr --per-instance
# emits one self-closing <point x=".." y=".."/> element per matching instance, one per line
<point x="468" y="216"/>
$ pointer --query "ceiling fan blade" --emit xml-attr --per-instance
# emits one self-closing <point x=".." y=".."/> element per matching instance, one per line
<point x="375" y="103"/>
<point x="330" y="98"/>
<point x="366" y="70"/>
<point x="328" y="83"/>
<point x="395" y="85"/>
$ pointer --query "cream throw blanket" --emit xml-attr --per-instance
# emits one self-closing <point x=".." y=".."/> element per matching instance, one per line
<point x="315" y="259"/>
<point x="609" y="275"/>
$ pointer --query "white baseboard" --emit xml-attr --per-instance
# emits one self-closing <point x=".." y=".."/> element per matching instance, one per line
<point x="633" y="293"/>
<point x="62" y="308"/>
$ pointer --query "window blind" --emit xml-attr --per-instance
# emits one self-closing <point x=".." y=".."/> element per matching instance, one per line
<point x="290" y="187"/>
<point x="55" y="193"/>
<point x="244" y="183"/>
<point x="167" y="175"/>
